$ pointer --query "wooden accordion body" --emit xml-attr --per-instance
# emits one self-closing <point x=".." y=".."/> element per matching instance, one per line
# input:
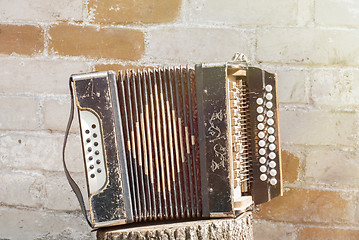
<point x="176" y="143"/>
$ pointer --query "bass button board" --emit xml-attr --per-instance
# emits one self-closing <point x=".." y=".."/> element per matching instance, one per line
<point x="94" y="156"/>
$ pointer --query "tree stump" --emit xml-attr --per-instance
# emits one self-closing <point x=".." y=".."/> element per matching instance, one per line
<point x="227" y="228"/>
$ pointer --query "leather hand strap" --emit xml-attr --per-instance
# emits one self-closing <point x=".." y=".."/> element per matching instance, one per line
<point x="71" y="181"/>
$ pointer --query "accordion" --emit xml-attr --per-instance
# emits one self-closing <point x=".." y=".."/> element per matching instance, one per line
<point x="178" y="142"/>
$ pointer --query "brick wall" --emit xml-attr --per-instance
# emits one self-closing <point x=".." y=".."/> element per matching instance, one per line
<point x="311" y="44"/>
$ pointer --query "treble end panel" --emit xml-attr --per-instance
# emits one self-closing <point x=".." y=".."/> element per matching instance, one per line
<point x="214" y="142"/>
<point x="103" y="148"/>
<point x="263" y="114"/>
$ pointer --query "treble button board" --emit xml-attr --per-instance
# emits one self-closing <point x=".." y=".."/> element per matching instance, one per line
<point x="93" y="150"/>
<point x="266" y="134"/>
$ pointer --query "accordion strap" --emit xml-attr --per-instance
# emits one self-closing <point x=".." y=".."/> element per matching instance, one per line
<point x="71" y="181"/>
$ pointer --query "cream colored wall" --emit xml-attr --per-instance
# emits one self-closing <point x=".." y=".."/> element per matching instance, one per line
<point x="311" y="44"/>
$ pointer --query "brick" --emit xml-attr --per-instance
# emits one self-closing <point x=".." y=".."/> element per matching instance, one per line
<point x="313" y="233"/>
<point x="10" y="118"/>
<point x="335" y="87"/>
<point x="332" y="167"/>
<point x="39" y="151"/>
<point x="88" y="41"/>
<point x="305" y="16"/>
<point x="38" y="76"/>
<point x="309" y="206"/>
<point x="56" y="114"/>
<point x="290" y="165"/>
<point x="140" y="11"/>
<point x="265" y="230"/>
<point x="308" y="46"/>
<point x="356" y="211"/>
<point x="59" y="195"/>
<point x="336" y="13"/>
<point x="27" y="184"/>
<point x="23" y="40"/>
<point x="41" y="11"/>
<point x="291" y="84"/>
<point x="318" y="127"/>
<point x="195" y="45"/>
<point x="241" y="12"/>
<point x="35" y="224"/>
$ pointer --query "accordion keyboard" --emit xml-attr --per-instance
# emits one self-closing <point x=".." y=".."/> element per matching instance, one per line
<point x="241" y="151"/>
<point x="266" y="135"/>
<point x="93" y="151"/>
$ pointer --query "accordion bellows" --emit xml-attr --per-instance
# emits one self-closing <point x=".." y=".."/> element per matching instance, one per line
<point x="178" y="142"/>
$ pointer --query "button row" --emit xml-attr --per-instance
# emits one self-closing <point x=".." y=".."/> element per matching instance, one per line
<point x="263" y="160"/>
<point x="266" y="168"/>
<point x="90" y="150"/>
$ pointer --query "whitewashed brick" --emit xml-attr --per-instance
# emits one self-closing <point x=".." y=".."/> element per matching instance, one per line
<point x="22" y="188"/>
<point x="308" y="46"/>
<point x="33" y="189"/>
<point x="31" y="152"/>
<point x="39" y="10"/>
<point x="305" y="12"/>
<point x="337" y="13"/>
<point x="38" y="76"/>
<point x="195" y="45"/>
<point x="318" y="127"/>
<point x="332" y="167"/>
<point x="56" y="114"/>
<point x="335" y="87"/>
<point x="291" y="84"/>
<point x="19" y="113"/>
<point x="265" y="230"/>
<point x="242" y="12"/>
<point x="35" y="224"/>
<point x="59" y="195"/>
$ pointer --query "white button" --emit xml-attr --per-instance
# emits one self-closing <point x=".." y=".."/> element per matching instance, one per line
<point x="263" y="168"/>
<point x="269" y="88"/>
<point x="269" y="104"/>
<point x="270" y="114"/>
<point x="270" y="130"/>
<point x="272" y="155"/>
<point x="262" y="151"/>
<point x="261" y="143"/>
<point x="271" y="138"/>
<point x="260" y="118"/>
<point x="272" y="147"/>
<point x="272" y="164"/>
<point x="261" y="134"/>
<point x="270" y="121"/>
<point x="260" y="126"/>
<point x="262" y="160"/>
<point x="273" y="181"/>
<point x="269" y="96"/>
<point x="259" y="101"/>
<point x="273" y="172"/>
<point x="259" y="109"/>
<point x="263" y="177"/>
